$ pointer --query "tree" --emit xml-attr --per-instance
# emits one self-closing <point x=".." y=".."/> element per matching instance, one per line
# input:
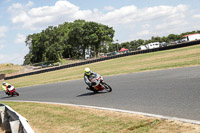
<point x="68" y="40"/>
<point x="76" y="40"/>
<point x="103" y="35"/>
<point x="155" y="39"/>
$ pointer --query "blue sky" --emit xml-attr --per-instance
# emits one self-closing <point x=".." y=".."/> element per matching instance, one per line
<point x="131" y="19"/>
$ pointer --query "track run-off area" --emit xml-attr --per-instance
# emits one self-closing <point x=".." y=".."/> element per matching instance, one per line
<point x="171" y="93"/>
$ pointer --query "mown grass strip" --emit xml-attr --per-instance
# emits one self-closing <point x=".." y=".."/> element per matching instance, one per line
<point x="181" y="57"/>
<point x="48" y="118"/>
<point x="9" y="68"/>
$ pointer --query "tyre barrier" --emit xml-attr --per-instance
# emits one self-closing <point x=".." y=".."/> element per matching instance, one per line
<point x="184" y="44"/>
<point x="12" y="122"/>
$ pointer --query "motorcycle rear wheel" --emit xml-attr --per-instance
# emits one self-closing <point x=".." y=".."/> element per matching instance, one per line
<point x="107" y="87"/>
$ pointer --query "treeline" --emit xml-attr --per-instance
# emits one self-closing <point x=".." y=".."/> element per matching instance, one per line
<point x="74" y="39"/>
<point x="133" y="45"/>
<point x="68" y="40"/>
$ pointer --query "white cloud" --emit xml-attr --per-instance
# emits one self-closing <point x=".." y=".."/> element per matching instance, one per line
<point x="196" y="16"/>
<point x="37" y="18"/>
<point x="173" y="23"/>
<point x="1" y="46"/>
<point x="14" y="58"/>
<point x="22" y="17"/>
<point x="145" y="32"/>
<point x="8" y="0"/>
<point x="131" y="14"/>
<point x="20" y="38"/>
<point x="146" y="26"/>
<point x="3" y="30"/>
<point x="17" y="7"/>
<point x="109" y="8"/>
<point x="123" y="15"/>
<point x="65" y="11"/>
<point x="142" y="21"/>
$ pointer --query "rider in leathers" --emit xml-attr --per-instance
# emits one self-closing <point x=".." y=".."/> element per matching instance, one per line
<point x="87" y="75"/>
<point x="5" y="87"/>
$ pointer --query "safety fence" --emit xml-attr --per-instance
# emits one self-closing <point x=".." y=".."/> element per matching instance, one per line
<point x="12" y="122"/>
<point x="185" y="44"/>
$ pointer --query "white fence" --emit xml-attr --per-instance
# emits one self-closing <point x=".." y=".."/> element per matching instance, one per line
<point x="13" y="122"/>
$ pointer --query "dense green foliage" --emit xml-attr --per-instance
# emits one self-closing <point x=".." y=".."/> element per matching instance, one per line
<point x="68" y="40"/>
<point x="73" y="39"/>
<point x="132" y="45"/>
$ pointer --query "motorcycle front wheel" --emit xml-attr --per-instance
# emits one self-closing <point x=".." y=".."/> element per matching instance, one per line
<point x="107" y="87"/>
<point x="16" y="93"/>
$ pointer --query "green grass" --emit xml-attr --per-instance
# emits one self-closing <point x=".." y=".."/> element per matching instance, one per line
<point x="47" y="118"/>
<point x="181" y="57"/>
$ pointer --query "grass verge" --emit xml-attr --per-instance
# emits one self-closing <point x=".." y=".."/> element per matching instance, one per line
<point x="71" y="119"/>
<point x="57" y="118"/>
<point x="9" y="68"/>
<point x="181" y="57"/>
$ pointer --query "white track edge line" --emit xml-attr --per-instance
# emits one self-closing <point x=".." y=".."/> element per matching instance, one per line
<point x="119" y="110"/>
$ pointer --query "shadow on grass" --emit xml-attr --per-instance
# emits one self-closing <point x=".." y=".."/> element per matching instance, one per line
<point x="90" y="94"/>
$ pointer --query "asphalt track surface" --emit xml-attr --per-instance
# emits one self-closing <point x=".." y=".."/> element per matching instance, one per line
<point x="171" y="93"/>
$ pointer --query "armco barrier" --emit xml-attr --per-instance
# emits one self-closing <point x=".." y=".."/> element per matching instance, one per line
<point x="185" y="44"/>
<point x="12" y="122"/>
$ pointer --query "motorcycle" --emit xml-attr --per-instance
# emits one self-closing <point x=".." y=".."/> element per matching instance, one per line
<point x="98" y="83"/>
<point x="12" y="91"/>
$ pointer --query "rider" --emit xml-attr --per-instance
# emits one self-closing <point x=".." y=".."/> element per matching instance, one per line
<point x="87" y="75"/>
<point x="5" y="87"/>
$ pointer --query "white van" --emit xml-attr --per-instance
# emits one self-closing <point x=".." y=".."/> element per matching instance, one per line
<point x="142" y="47"/>
<point x="153" y="45"/>
<point x="191" y="37"/>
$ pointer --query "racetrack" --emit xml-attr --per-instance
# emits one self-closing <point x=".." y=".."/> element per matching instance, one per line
<point x="171" y="92"/>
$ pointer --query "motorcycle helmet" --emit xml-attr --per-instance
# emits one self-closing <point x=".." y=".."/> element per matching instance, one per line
<point x="87" y="71"/>
<point x="4" y="83"/>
